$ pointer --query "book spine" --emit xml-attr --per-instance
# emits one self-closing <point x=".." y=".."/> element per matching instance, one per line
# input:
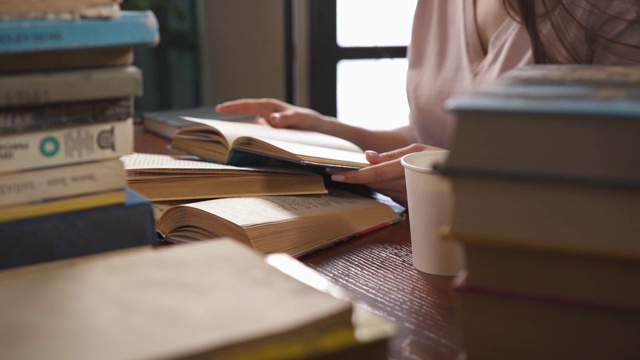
<point x="51" y="116"/>
<point x="66" y="146"/>
<point x="77" y="233"/>
<point x="31" y="89"/>
<point x="66" y="59"/>
<point x="60" y="182"/>
<point x="50" y="207"/>
<point x="131" y="28"/>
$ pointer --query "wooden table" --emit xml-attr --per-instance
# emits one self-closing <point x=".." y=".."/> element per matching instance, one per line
<point x="376" y="271"/>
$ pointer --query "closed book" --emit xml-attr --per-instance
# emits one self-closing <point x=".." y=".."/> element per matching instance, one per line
<point x="503" y="325"/>
<point x="53" y="60"/>
<point x="213" y="300"/>
<point x="572" y="121"/>
<point x="131" y="28"/>
<point x="560" y="216"/>
<point x="62" y="205"/>
<point x="58" y="182"/>
<point x="70" y="145"/>
<point x="53" y="116"/>
<point x="60" y="8"/>
<point x="75" y="233"/>
<point x="38" y="88"/>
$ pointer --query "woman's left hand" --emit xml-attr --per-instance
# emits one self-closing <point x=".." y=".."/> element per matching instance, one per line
<point x="386" y="173"/>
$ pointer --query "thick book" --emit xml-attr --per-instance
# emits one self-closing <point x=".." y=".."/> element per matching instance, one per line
<point x="52" y="116"/>
<point x="293" y="224"/>
<point x="558" y="216"/>
<point x="59" y="182"/>
<point x="39" y="88"/>
<point x="214" y="300"/>
<point x="166" y="123"/>
<point x="573" y="121"/>
<point x="65" y="146"/>
<point x="130" y="28"/>
<point x="502" y="325"/>
<point x="250" y="144"/>
<point x="62" y="205"/>
<point x="543" y="273"/>
<point x="55" y="60"/>
<point x="74" y="233"/>
<point x="166" y="177"/>
<point x="59" y="8"/>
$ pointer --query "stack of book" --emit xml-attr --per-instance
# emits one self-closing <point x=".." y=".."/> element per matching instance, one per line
<point x="546" y="183"/>
<point x="67" y="88"/>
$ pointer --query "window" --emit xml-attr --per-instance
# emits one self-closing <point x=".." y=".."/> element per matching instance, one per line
<point x="358" y="60"/>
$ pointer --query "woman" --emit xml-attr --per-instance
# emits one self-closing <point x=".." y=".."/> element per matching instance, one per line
<point x="457" y="45"/>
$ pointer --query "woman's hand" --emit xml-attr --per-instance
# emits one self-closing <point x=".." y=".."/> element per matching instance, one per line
<point x="386" y="173"/>
<point x="277" y="113"/>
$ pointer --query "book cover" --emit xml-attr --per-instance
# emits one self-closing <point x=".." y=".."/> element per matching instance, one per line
<point x="166" y="177"/>
<point x="38" y="88"/>
<point x="51" y="116"/>
<point x="573" y="121"/>
<point x="130" y="28"/>
<point x="560" y="216"/>
<point x="55" y="60"/>
<point x="75" y="233"/>
<point x="249" y="144"/>
<point x="66" y="146"/>
<point x="496" y="325"/>
<point x="216" y="299"/>
<point x="59" y="8"/>
<point x="43" y="185"/>
<point x="62" y="205"/>
<point x="293" y="224"/>
<point x="167" y="122"/>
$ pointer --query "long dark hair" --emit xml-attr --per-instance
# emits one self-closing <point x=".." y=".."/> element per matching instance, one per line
<point x="580" y="31"/>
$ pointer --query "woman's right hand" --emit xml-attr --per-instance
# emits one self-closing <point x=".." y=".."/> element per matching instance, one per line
<point x="277" y="113"/>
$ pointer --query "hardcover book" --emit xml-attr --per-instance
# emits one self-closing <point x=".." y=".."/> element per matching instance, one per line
<point x="292" y="224"/>
<point x="59" y="8"/>
<point x="58" y="182"/>
<point x="572" y="121"/>
<point x="167" y="122"/>
<point x="54" y="60"/>
<point x="250" y="144"/>
<point x="215" y="300"/>
<point x="130" y="28"/>
<point x="166" y="177"/>
<point x="74" y="233"/>
<point x="53" y="116"/>
<point x="65" y="146"/>
<point x="39" y="88"/>
<point x="503" y="325"/>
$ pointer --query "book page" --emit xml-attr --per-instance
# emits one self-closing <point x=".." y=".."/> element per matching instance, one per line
<point x="249" y="211"/>
<point x="234" y="130"/>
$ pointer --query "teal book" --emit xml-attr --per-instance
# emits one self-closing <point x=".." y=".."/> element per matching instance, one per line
<point x="569" y="122"/>
<point x="131" y="28"/>
<point x="76" y="233"/>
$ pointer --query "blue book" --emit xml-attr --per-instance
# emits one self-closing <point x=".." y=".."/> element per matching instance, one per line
<point x="77" y="233"/>
<point x="131" y="28"/>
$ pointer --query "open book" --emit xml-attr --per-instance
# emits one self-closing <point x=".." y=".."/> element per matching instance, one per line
<point x="250" y="144"/>
<point x="215" y="300"/>
<point x="295" y="225"/>
<point x="167" y="177"/>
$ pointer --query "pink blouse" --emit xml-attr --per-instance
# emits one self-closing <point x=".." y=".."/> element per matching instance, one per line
<point x="446" y="58"/>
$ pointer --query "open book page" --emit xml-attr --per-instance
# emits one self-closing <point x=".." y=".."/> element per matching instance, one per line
<point x="144" y="164"/>
<point x="252" y="211"/>
<point x="234" y="130"/>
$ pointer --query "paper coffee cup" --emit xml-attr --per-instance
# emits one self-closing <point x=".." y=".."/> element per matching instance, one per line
<point x="429" y="197"/>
